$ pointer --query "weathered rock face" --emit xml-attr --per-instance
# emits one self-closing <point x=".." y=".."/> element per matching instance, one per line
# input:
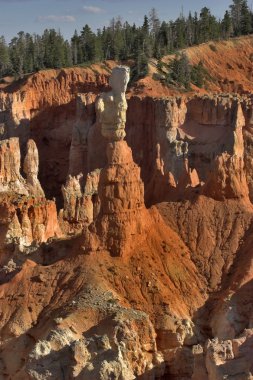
<point x="81" y="203"/>
<point x="120" y="189"/>
<point x="65" y="133"/>
<point x="230" y="358"/>
<point x="30" y="222"/>
<point x="228" y="179"/>
<point x="247" y="136"/>
<point x="31" y="169"/>
<point x="109" y="353"/>
<point x="183" y="140"/>
<point x="85" y="117"/>
<point x="44" y="108"/>
<point x="112" y="106"/>
<point x="27" y="218"/>
<point x="181" y="262"/>
<point x="212" y="230"/>
<point x="121" y="194"/>
<point x="10" y="178"/>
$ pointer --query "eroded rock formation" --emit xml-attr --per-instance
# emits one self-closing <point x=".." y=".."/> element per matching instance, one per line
<point x="121" y="193"/>
<point x="112" y="106"/>
<point x="81" y="202"/>
<point x="10" y="177"/>
<point x="27" y="217"/>
<point x="31" y="170"/>
<point x="120" y="188"/>
<point x="123" y="290"/>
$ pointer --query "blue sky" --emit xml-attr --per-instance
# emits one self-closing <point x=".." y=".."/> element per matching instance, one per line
<point x="68" y="15"/>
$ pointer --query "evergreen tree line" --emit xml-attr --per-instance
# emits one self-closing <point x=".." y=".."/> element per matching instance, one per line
<point x="27" y="53"/>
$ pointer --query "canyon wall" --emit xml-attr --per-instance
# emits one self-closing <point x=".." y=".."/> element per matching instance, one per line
<point x="144" y="266"/>
<point x="166" y="135"/>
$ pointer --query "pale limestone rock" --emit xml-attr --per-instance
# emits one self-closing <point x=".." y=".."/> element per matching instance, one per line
<point x="111" y="107"/>
<point x="81" y="205"/>
<point x="170" y="114"/>
<point x="14" y="229"/>
<point x="230" y="359"/>
<point x="79" y="142"/>
<point x="10" y="177"/>
<point x="174" y="333"/>
<point x="32" y="222"/>
<point x="72" y="194"/>
<point x="31" y="169"/>
<point x="111" y="353"/>
<point x="239" y="123"/>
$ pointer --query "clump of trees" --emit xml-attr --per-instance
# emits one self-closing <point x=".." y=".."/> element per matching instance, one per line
<point x="27" y="53"/>
<point x="182" y="74"/>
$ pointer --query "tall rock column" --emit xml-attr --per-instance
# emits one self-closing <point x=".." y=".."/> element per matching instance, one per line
<point x="31" y="169"/>
<point x="227" y="179"/>
<point x="120" y="188"/>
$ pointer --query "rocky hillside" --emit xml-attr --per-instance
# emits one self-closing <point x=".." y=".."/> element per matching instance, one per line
<point x="228" y="64"/>
<point x="129" y="259"/>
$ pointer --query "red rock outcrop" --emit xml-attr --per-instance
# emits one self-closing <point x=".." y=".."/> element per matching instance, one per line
<point x="227" y="179"/>
<point x="140" y="291"/>
<point x="122" y="217"/>
<point x="43" y="107"/>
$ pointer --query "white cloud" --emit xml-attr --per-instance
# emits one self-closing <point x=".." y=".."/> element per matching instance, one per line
<point x="91" y="9"/>
<point x="57" y="18"/>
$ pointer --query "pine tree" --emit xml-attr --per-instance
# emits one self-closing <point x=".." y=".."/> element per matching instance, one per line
<point x="39" y="52"/>
<point x="54" y="49"/>
<point x="98" y="46"/>
<point x="5" y="64"/>
<point x="163" y="40"/>
<point x="117" y="38"/>
<point x="145" y="26"/>
<point x="29" y="54"/>
<point x="154" y="22"/>
<point x="226" y="26"/>
<point x="75" y="48"/>
<point x="236" y="15"/>
<point x="107" y="43"/>
<point x="88" y="44"/>
<point x="180" y="30"/>
<point x="128" y="41"/>
<point x="180" y="71"/>
<point x="245" y="18"/>
<point x="17" y="54"/>
<point x="198" y="74"/>
<point x="189" y="30"/>
<point x="141" y="61"/>
<point x="146" y="38"/>
<point x="204" y="24"/>
<point x="68" y="58"/>
<point x="196" y="28"/>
